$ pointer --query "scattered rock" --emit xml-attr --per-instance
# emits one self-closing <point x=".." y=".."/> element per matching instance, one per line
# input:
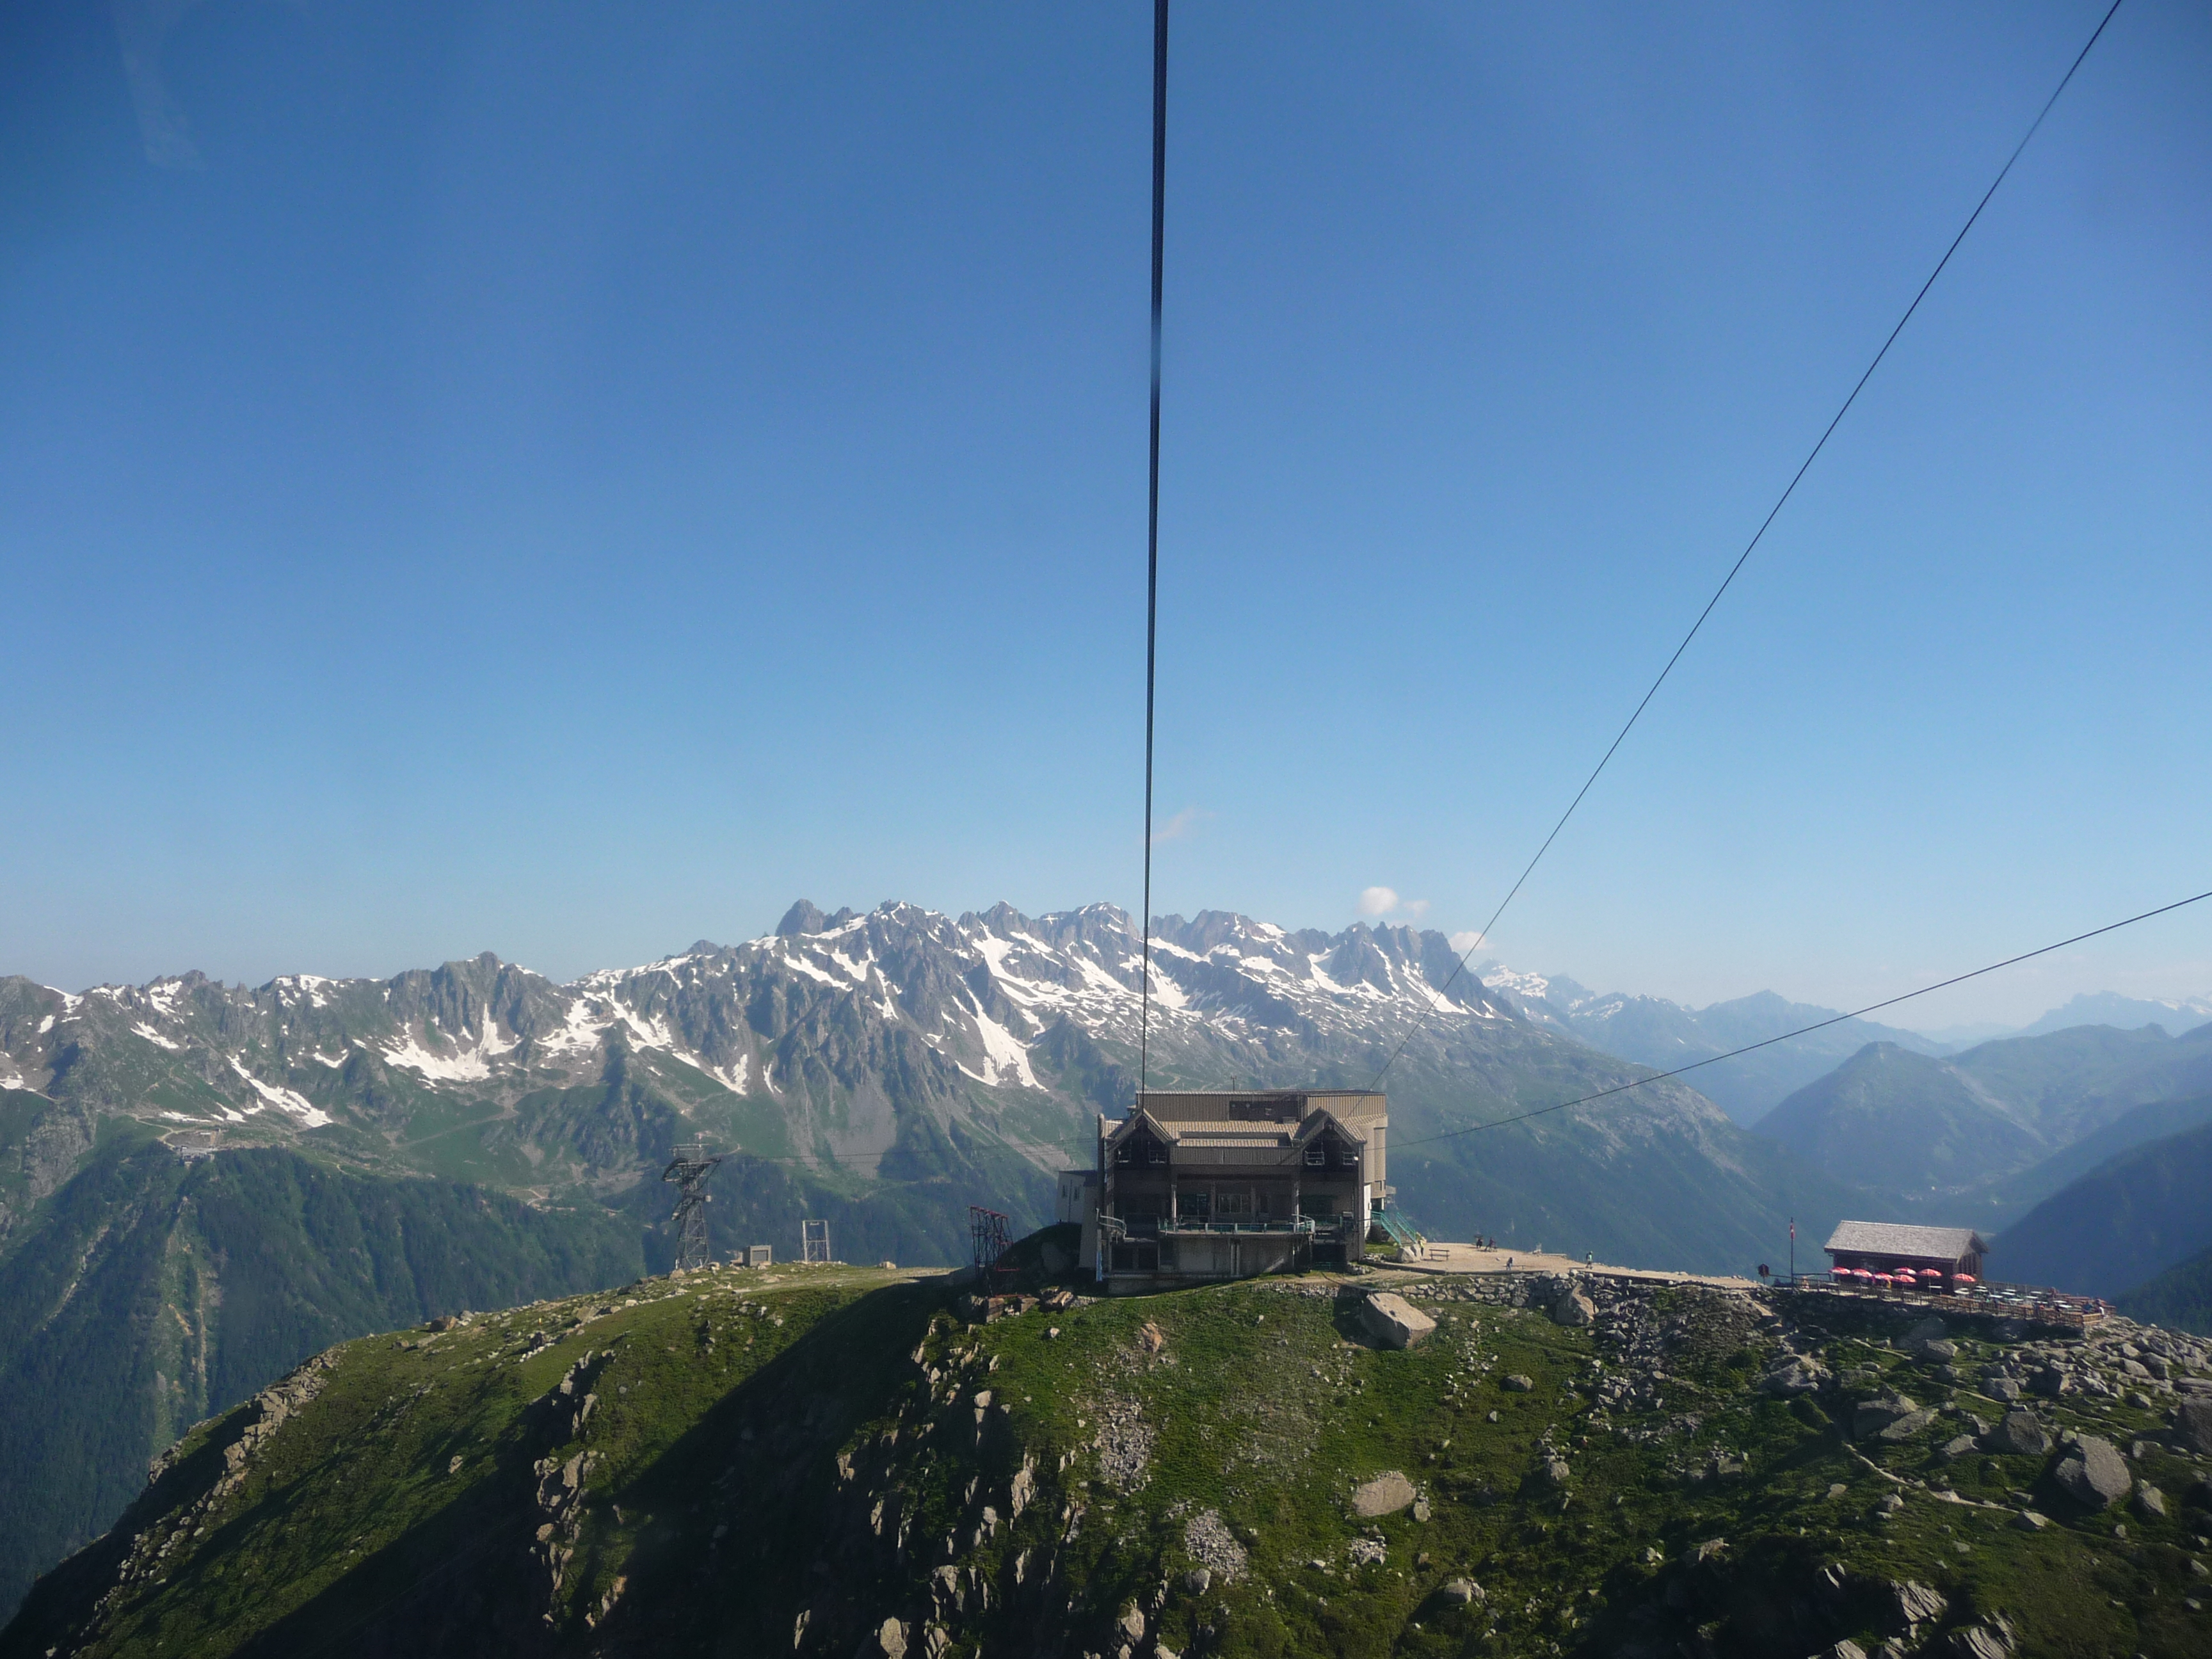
<point x="2192" y="1424"/>
<point x="1845" y="1649"/>
<point x="2029" y="1521"/>
<point x="890" y="1639"/>
<point x="1956" y="1449"/>
<point x="1367" y="1552"/>
<point x="1197" y="1582"/>
<point x="1460" y="1591"/>
<point x="1386" y="1494"/>
<point x="2150" y="1502"/>
<point x="1516" y="1383"/>
<point x="1207" y="1538"/>
<point x="1132" y="1622"/>
<point x="2094" y="1473"/>
<point x="1149" y="1338"/>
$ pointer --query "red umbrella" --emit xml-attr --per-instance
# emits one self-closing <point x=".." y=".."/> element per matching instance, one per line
<point x="1866" y="1273"/>
<point x="1841" y="1273"/>
<point x="1967" y="1278"/>
<point x="1931" y="1273"/>
<point x="1885" y="1278"/>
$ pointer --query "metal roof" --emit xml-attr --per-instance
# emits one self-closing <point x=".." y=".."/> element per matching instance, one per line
<point x="1894" y="1238"/>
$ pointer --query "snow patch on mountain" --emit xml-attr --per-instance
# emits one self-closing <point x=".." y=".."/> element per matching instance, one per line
<point x="311" y="1117"/>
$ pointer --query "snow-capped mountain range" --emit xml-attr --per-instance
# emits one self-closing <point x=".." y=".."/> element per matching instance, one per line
<point x="904" y="1058"/>
<point x="833" y="1025"/>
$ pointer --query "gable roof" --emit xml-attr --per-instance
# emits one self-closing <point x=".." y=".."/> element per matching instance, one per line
<point x="1894" y="1238"/>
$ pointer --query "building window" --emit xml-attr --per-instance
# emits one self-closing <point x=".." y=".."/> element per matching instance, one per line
<point x="1155" y="1153"/>
<point x="1235" y="1203"/>
<point x="1317" y="1156"/>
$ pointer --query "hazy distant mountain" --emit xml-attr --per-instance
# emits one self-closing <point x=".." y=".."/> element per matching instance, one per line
<point x="2126" y="1013"/>
<point x="1654" y="1032"/>
<point x="1942" y="1129"/>
<point x="2180" y="1297"/>
<point x="2119" y="1226"/>
<point x="1998" y="1203"/>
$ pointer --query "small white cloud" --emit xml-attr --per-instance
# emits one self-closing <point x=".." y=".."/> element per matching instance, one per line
<point x="1179" y="827"/>
<point x="1463" y="942"/>
<point x="1415" y="908"/>
<point x="1378" y="901"/>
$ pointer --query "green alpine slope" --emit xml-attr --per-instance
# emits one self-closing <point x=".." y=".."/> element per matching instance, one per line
<point x="837" y="1462"/>
<point x="148" y="1293"/>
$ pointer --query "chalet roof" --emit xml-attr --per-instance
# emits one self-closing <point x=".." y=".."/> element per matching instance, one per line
<point x="1255" y="1137"/>
<point x="1894" y="1238"/>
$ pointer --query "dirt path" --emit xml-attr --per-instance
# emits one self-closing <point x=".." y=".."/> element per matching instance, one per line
<point x="1439" y="1258"/>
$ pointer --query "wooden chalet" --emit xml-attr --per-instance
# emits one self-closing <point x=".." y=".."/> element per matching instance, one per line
<point x="1887" y="1247"/>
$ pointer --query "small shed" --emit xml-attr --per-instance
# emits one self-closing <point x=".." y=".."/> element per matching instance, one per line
<point x="1889" y="1246"/>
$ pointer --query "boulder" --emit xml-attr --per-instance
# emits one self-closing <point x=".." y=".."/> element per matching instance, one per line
<point x="1394" y="1322"/>
<point x="1575" y="1308"/>
<point x="1906" y="1426"/>
<point x="2094" y="1473"/>
<point x="1460" y="1591"/>
<point x="1845" y="1649"/>
<point x="2020" y="1434"/>
<point x="890" y="1639"/>
<point x="1795" y="1375"/>
<point x="2150" y="1502"/>
<point x="2192" y="1424"/>
<point x="2029" y="1521"/>
<point x="1874" y="1415"/>
<point x="1386" y="1494"/>
<point x="1554" y="1470"/>
<point x="1516" y="1383"/>
<point x="1952" y="1450"/>
<point x="1132" y="1622"/>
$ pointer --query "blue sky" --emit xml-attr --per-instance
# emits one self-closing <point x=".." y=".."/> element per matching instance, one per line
<point x="570" y="481"/>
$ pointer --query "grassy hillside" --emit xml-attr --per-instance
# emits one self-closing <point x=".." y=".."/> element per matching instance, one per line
<point x="2127" y="1220"/>
<point x="145" y="1295"/>
<point x="832" y="1461"/>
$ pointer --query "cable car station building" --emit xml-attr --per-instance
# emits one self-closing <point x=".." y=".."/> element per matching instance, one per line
<point x="1201" y="1185"/>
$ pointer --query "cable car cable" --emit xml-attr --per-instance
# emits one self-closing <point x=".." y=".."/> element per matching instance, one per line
<point x="1153" y="515"/>
<point x="1772" y="511"/>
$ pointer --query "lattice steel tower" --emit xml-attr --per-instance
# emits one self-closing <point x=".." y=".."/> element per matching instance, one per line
<point x="688" y="1171"/>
